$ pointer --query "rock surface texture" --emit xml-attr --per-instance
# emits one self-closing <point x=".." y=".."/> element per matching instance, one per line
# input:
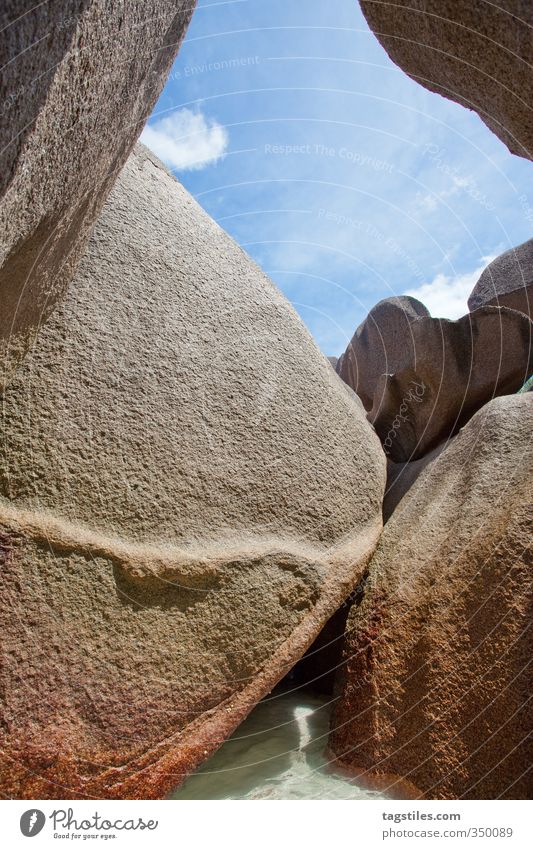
<point x="188" y="492"/>
<point x="401" y="477"/>
<point x="436" y="688"/>
<point x="507" y="281"/>
<point x="79" y="79"/>
<point x="382" y="344"/>
<point x="478" y="54"/>
<point x="460" y="365"/>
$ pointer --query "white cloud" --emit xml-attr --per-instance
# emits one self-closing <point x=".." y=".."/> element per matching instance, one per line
<point x="446" y="297"/>
<point x="426" y="203"/>
<point x="430" y="202"/>
<point x="186" y="140"/>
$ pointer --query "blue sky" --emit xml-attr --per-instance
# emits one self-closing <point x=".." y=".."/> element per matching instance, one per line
<point x="344" y="180"/>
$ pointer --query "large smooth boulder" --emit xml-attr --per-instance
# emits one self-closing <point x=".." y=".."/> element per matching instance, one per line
<point x="507" y="281"/>
<point x="460" y="365"/>
<point x="435" y="692"/>
<point x="478" y="54"/>
<point x="382" y="344"/>
<point x="79" y="80"/>
<point x="188" y="493"/>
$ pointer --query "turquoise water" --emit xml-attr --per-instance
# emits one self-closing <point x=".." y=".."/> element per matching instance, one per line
<point x="277" y="753"/>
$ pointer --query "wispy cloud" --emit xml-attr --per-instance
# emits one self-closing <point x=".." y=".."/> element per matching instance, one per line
<point x="431" y="201"/>
<point x="446" y="296"/>
<point x="186" y="140"/>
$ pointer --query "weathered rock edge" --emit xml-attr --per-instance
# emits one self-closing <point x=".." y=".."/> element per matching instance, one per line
<point x="79" y="80"/>
<point x="507" y="281"/>
<point x="478" y="54"/>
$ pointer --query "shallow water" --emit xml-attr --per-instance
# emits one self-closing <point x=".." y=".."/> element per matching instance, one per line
<point x="277" y="753"/>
